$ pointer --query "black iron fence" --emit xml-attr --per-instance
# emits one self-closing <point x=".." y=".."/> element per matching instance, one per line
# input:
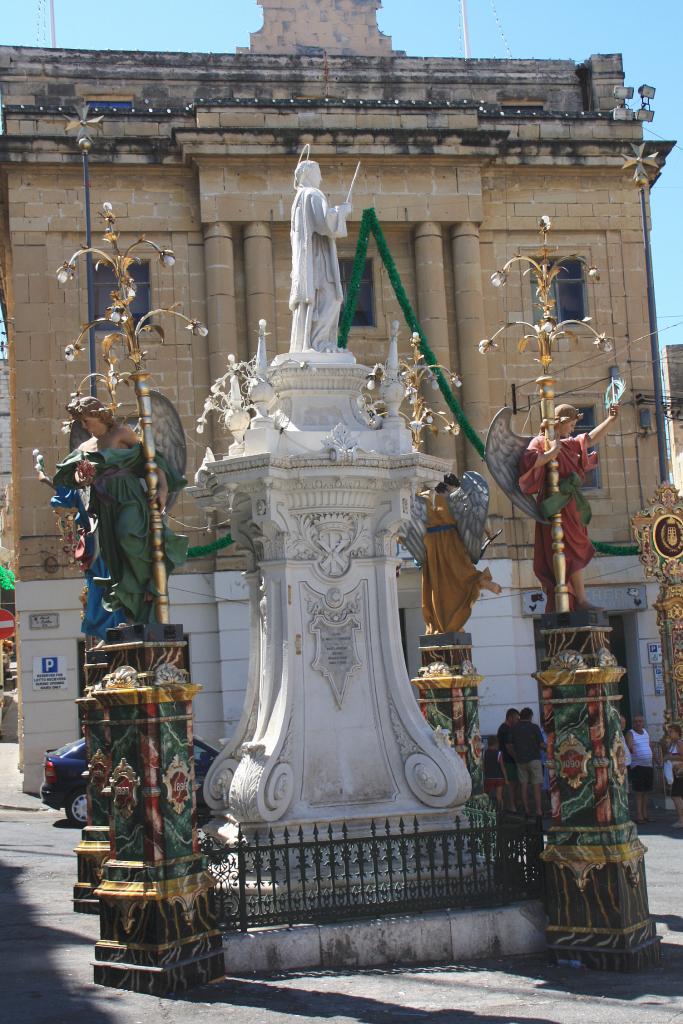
<point x="334" y="877"/>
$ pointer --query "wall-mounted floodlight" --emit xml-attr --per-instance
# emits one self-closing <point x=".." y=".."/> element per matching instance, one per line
<point x="625" y="92"/>
<point x="622" y="114"/>
<point x="646" y="92"/>
<point x="645" y="114"/>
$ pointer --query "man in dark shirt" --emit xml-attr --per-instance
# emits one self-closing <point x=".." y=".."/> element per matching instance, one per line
<point x="527" y="744"/>
<point x="508" y="757"/>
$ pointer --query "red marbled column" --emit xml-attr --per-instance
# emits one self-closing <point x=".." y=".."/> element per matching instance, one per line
<point x="549" y="729"/>
<point x="596" y="729"/>
<point x="154" y="845"/>
<point x="459" y="721"/>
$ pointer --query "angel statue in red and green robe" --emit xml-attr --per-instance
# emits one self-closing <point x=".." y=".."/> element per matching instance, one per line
<point x="519" y="465"/>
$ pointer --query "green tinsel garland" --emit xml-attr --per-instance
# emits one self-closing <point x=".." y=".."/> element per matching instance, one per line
<point x="202" y="550"/>
<point x="7" y="578"/>
<point x="370" y="223"/>
<point x="614" y="549"/>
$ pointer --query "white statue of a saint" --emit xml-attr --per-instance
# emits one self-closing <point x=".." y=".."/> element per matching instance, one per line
<point x="316" y="296"/>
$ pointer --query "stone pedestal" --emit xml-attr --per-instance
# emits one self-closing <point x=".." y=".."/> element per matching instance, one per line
<point x="157" y="922"/>
<point x="93" y="848"/>
<point x="597" y="902"/>
<point x="331" y="731"/>
<point x="448" y="686"/>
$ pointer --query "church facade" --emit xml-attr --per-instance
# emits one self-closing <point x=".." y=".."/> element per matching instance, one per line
<point x="459" y="159"/>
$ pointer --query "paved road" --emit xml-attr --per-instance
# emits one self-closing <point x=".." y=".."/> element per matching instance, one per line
<point x="46" y="952"/>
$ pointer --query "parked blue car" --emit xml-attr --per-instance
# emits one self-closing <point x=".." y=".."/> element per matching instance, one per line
<point x="64" y="785"/>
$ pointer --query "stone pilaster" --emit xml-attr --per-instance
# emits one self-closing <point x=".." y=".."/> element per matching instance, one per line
<point x="469" y="315"/>
<point x="433" y="317"/>
<point x="260" y="281"/>
<point x="597" y="901"/>
<point x="157" y="924"/>
<point x="221" y="315"/>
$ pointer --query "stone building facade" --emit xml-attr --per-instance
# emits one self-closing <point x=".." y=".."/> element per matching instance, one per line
<point x="672" y="366"/>
<point x="459" y="159"/>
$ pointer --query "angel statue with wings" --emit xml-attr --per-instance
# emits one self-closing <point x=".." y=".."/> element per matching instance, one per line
<point x="519" y="466"/>
<point x="446" y="537"/>
<point x="108" y="460"/>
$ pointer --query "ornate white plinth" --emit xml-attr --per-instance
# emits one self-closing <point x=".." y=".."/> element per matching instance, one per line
<point x="331" y="730"/>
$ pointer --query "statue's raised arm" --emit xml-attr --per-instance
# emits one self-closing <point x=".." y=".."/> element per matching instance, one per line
<point x="316" y="296"/>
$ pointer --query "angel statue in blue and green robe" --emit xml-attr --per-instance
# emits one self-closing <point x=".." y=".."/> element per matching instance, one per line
<point x="107" y="466"/>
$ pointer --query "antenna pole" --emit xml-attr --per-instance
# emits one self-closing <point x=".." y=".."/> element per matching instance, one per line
<point x="465" y="29"/>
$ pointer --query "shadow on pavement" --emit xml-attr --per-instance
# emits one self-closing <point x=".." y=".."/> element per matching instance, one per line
<point x="39" y="989"/>
<point x="321" y="1005"/>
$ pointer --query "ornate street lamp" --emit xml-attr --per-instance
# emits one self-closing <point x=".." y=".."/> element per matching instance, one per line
<point x="124" y="333"/>
<point x="84" y="124"/>
<point x="545" y="334"/>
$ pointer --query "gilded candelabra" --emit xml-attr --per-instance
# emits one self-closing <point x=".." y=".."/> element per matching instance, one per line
<point x="127" y="335"/>
<point x="401" y="380"/>
<point x="546" y="332"/>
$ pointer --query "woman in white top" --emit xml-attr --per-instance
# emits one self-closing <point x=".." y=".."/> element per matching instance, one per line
<point x="638" y="742"/>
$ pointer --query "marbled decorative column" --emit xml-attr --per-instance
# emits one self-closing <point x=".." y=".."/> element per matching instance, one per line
<point x="260" y="281"/>
<point x="448" y="687"/>
<point x="469" y="315"/>
<point x="93" y="849"/>
<point x="433" y="314"/>
<point x="157" y="924"/>
<point x="597" y="901"/>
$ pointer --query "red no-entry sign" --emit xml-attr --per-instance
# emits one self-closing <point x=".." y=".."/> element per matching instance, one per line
<point x="7" y="624"/>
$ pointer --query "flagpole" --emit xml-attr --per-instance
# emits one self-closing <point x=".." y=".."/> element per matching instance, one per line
<point x="465" y="29"/>
<point x="53" y="31"/>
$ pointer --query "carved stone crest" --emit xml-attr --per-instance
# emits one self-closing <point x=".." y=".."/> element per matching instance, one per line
<point x="341" y="444"/>
<point x="335" y="630"/>
<point x="332" y="539"/>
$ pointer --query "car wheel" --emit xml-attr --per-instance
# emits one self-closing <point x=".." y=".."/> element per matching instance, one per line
<point x="76" y="808"/>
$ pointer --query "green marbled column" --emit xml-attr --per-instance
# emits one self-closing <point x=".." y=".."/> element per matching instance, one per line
<point x="93" y="848"/>
<point x="158" y="929"/>
<point x="596" y="902"/>
<point x="448" y="688"/>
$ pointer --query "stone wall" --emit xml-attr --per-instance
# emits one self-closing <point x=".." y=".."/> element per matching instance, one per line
<point x="346" y="27"/>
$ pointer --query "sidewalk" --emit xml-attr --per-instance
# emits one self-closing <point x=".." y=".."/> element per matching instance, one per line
<point x="12" y="781"/>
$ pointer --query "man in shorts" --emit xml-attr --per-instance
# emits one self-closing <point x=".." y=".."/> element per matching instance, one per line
<point x="508" y="763"/>
<point x="527" y="744"/>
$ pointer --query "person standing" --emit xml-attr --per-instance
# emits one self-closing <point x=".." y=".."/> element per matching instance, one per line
<point x="675" y="755"/>
<point x="642" y="773"/>
<point x="494" y="780"/>
<point x="527" y="743"/>
<point x="507" y="760"/>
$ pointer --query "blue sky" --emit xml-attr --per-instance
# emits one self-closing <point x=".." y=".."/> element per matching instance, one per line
<point x="647" y="35"/>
